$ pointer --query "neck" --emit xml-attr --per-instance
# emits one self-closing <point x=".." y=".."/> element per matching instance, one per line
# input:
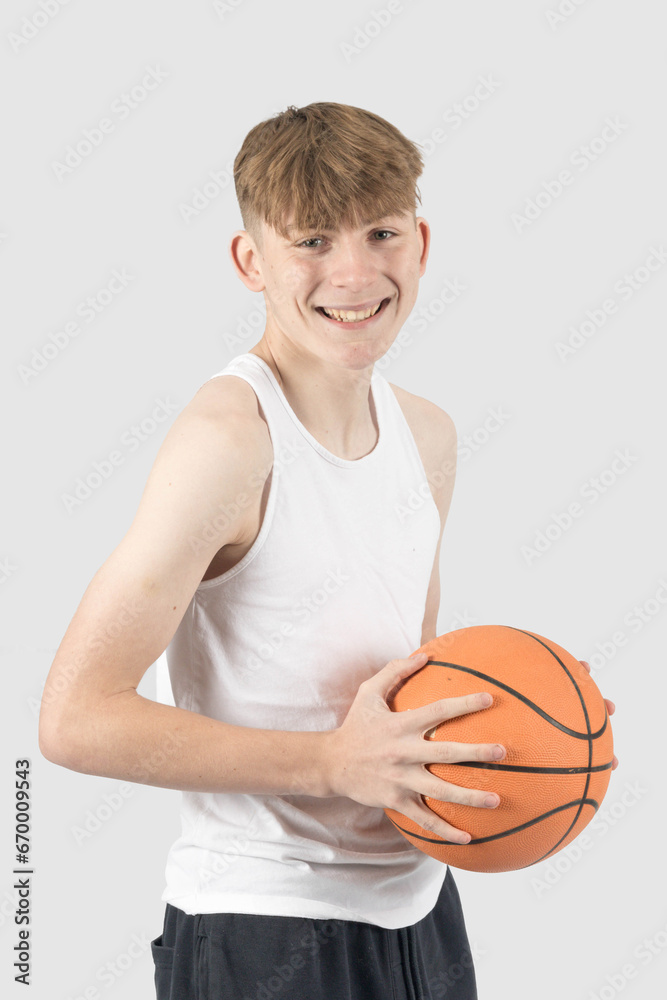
<point x="333" y="403"/>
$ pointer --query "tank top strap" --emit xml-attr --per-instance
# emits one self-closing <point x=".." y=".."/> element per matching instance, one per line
<point x="259" y="376"/>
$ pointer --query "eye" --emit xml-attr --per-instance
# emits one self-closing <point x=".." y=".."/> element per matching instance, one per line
<point x="310" y="240"/>
<point x="380" y="231"/>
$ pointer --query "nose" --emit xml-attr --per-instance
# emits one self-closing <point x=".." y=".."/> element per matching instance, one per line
<point x="353" y="266"/>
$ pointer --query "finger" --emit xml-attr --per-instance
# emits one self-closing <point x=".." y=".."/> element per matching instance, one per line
<point x="396" y="671"/>
<point x="435" y="712"/>
<point x="614" y="763"/>
<point x="445" y="791"/>
<point x="432" y="823"/>
<point x="611" y="708"/>
<point x="445" y="752"/>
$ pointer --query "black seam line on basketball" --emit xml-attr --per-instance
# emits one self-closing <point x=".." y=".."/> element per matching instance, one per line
<point x="532" y="770"/>
<point x="588" y="727"/>
<point x="503" y="833"/>
<point x="517" y="694"/>
<point x="572" y="824"/>
<point x="557" y="657"/>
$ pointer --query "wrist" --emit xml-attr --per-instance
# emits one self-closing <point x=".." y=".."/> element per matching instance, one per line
<point x="325" y="765"/>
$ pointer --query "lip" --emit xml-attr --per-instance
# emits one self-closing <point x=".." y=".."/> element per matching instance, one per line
<point x="357" y="308"/>
<point x="362" y="323"/>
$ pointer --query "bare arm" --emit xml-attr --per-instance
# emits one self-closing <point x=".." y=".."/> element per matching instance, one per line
<point x="92" y="719"/>
<point x="437" y="447"/>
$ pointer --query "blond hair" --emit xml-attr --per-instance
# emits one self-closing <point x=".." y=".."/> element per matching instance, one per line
<point x="329" y="165"/>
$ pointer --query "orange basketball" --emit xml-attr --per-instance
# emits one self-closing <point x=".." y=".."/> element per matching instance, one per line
<point x="552" y="720"/>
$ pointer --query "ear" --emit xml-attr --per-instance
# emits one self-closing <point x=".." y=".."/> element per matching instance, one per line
<point x="424" y="237"/>
<point x="245" y="258"/>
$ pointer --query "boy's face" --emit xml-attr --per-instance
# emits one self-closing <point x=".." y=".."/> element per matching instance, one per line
<point x="379" y="264"/>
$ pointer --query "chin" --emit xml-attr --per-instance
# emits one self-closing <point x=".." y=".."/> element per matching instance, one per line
<point x="357" y="356"/>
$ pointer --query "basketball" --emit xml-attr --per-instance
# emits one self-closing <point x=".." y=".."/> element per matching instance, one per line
<point x="549" y="715"/>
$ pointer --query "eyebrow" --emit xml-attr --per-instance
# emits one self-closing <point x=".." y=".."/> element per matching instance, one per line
<point x="366" y="222"/>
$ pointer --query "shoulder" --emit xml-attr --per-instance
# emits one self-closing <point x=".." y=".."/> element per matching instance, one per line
<point x="226" y="395"/>
<point x="217" y="452"/>
<point x="432" y="427"/>
<point x="226" y="407"/>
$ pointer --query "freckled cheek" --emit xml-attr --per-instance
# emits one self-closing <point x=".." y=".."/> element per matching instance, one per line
<point x="280" y="288"/>
<point x="413" y="264"/>
<point x="399" y="265"/>
<point x="410" y="278"/>
<point x="408" y="286"/>
<point x="296" y="285"/>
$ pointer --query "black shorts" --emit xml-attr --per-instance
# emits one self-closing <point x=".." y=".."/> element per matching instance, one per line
<point x="246" y="956"/>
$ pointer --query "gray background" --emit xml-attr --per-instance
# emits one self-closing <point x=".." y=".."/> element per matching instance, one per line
<point x="555" y="82"/>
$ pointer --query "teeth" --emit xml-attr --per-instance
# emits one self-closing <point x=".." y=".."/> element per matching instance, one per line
<point x="348" y="316"/>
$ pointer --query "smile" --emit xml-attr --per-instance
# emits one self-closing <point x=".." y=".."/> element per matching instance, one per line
<point x="352" y="317"/>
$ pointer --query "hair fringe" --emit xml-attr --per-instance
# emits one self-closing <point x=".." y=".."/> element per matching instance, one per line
<point x="326" y="165"/>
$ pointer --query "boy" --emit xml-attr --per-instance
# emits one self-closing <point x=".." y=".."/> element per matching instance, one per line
<point x="268" y="558"/>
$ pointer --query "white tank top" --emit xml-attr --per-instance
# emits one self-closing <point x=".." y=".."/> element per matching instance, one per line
<point x="333" y="588"/>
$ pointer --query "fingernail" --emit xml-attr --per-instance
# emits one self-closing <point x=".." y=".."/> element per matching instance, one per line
<point x="497" y="753"/>
<point x="465" y="839"/>
<point x="417" y="656"/>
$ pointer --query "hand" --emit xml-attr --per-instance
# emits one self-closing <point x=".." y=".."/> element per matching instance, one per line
<point x="611" y="708"/>
<point x="379" y="757"/>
